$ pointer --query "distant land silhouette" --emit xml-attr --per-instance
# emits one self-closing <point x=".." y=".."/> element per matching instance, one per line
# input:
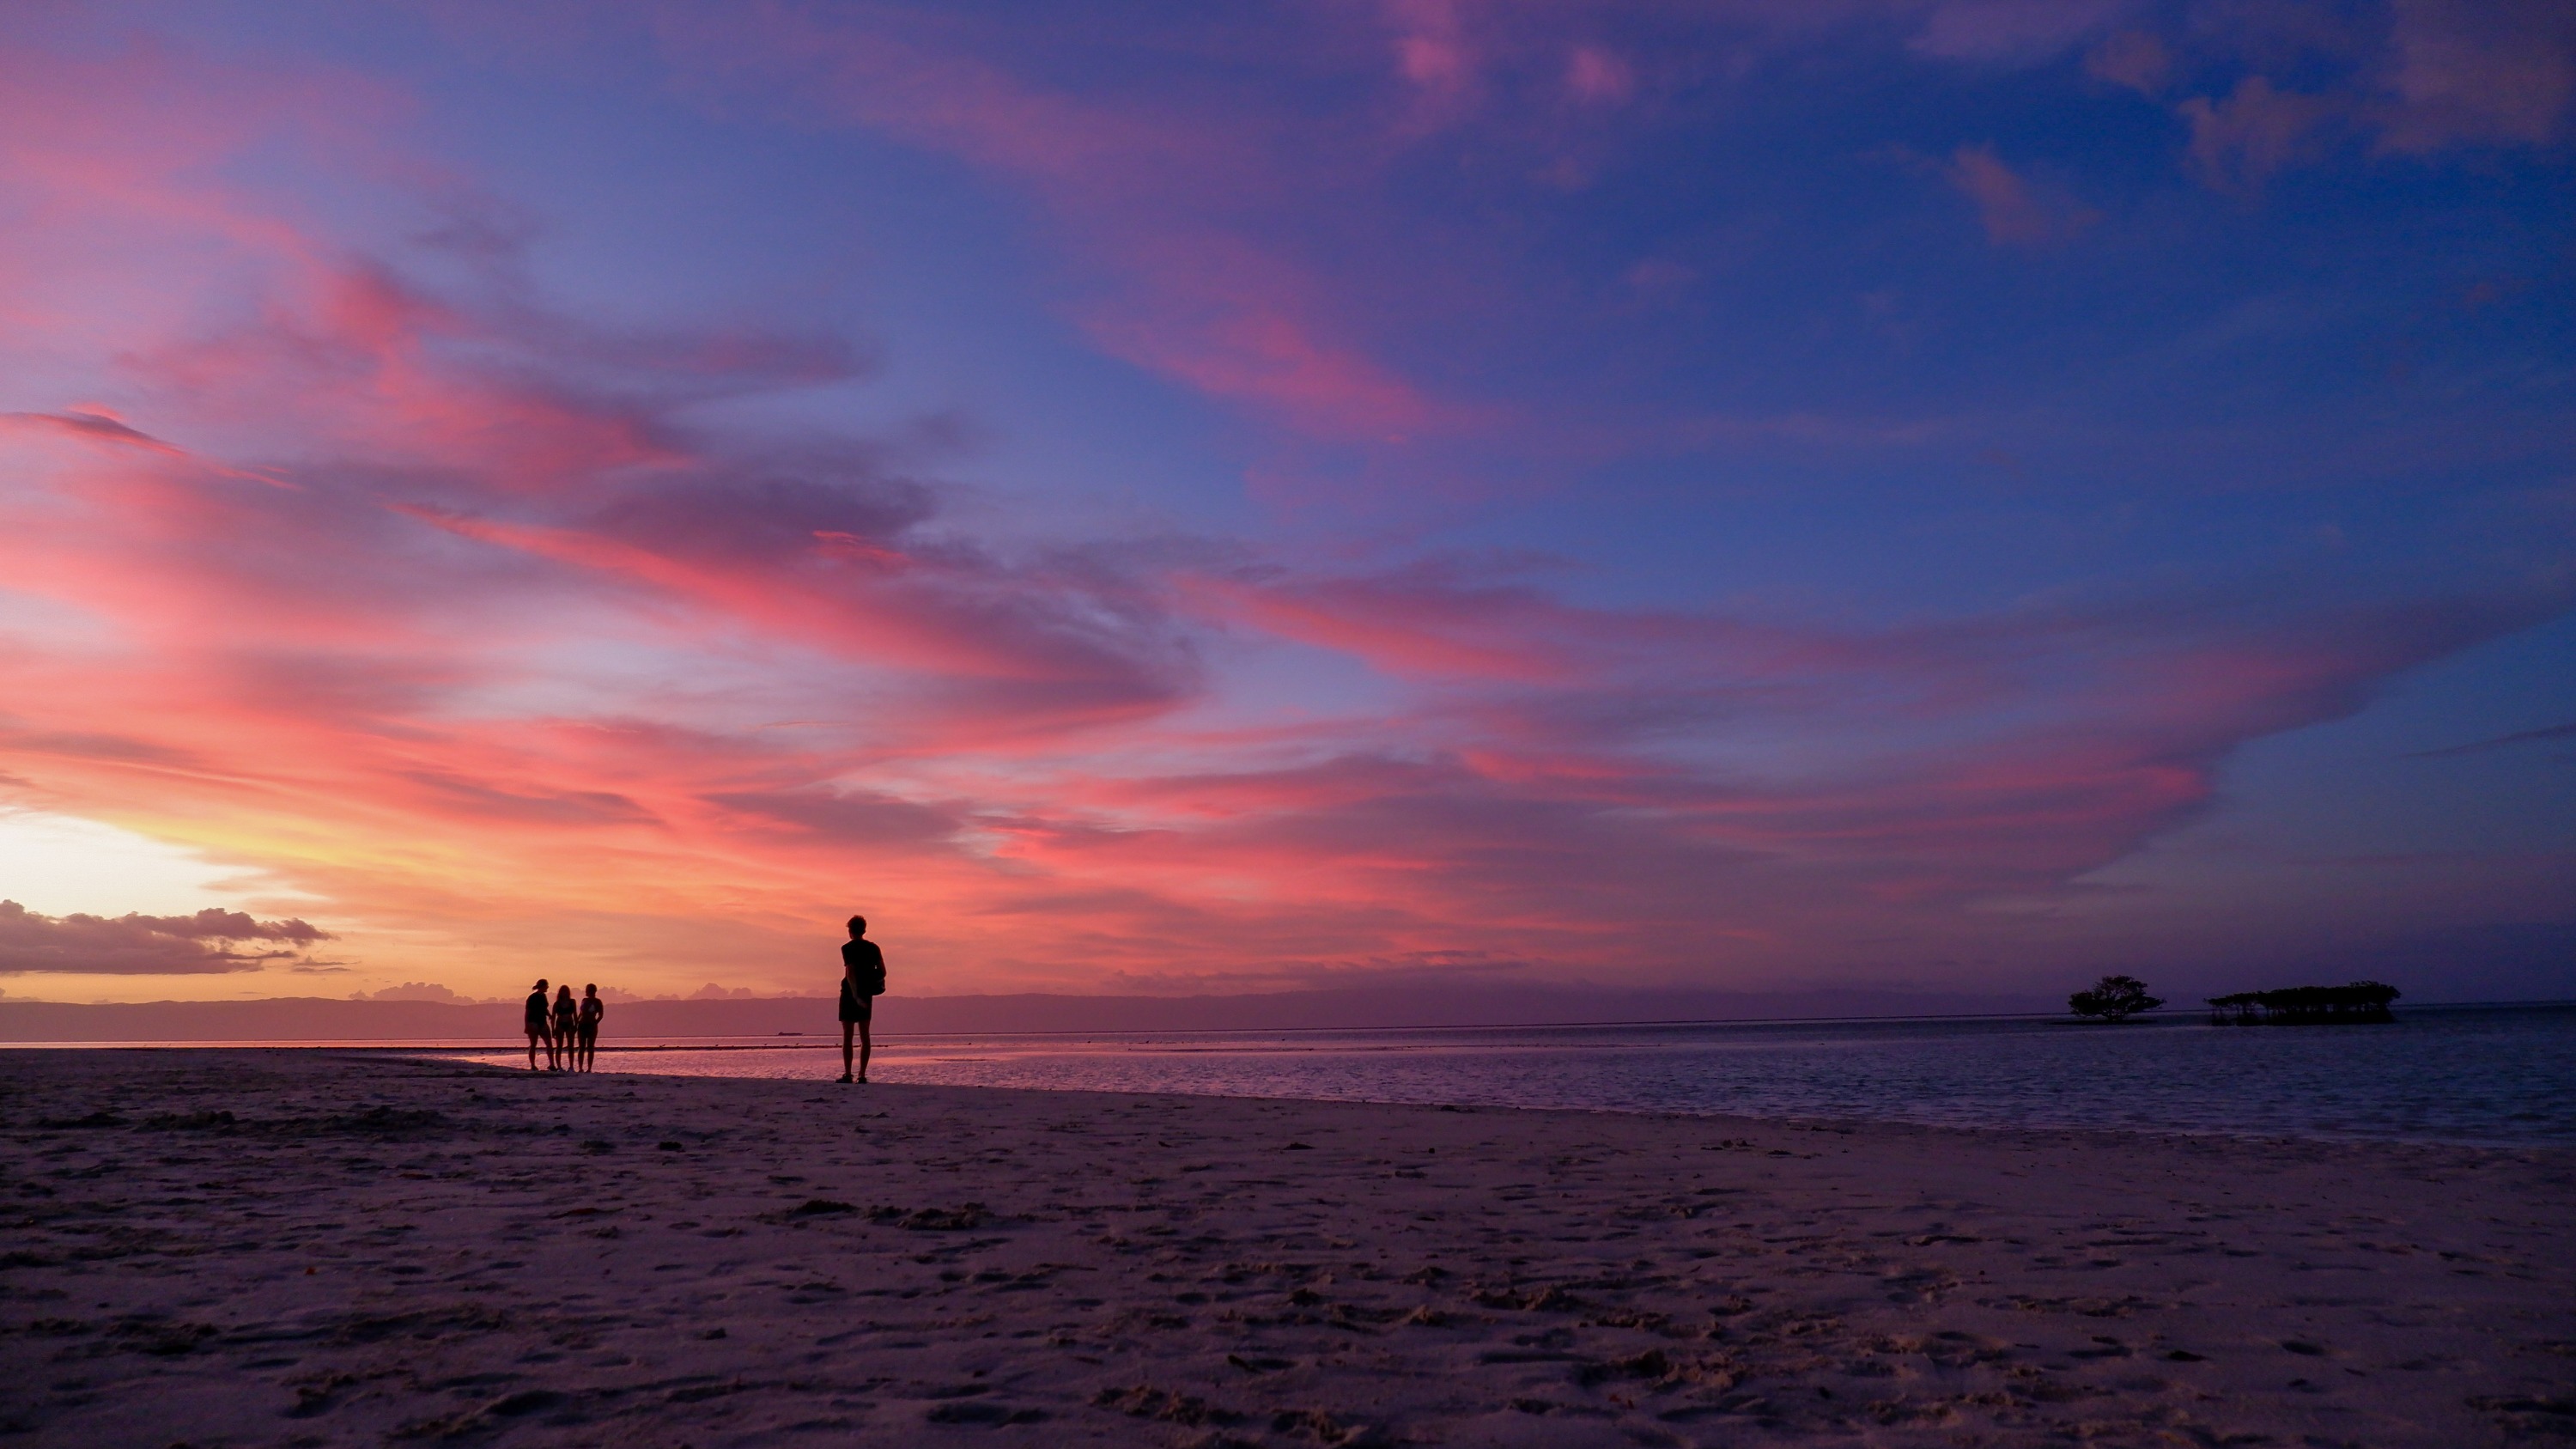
<point x="298" y="1019"/>
<point x="1335" y="1009"/>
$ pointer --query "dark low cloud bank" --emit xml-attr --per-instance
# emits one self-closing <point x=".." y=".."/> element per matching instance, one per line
<point x="210" y="941"/>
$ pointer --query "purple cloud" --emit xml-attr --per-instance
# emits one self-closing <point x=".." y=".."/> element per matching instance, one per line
<point x="139" y="945"/>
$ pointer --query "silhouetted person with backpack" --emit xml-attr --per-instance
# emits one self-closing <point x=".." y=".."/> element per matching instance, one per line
<point x="862" y="982"/>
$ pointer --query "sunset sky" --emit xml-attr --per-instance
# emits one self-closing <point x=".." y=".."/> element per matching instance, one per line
<point x="1961" y="495"/>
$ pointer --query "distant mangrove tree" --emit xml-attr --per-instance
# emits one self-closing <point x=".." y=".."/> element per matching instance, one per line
<point x="2113" y="998"/>
<point x="2305" y="1005"/>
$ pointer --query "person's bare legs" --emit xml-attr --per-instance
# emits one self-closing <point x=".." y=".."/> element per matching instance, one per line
<point x="532" y="1051"/>
<point x="864" y="1046"/>
<point x="847" y="1028"/>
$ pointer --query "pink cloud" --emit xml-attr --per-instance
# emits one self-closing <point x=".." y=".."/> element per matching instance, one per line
<point x="1435" y="51"/>
<point x="1597" y="76"/>
<point x="1431" y="49"/>
<point x="2238" y="143"/>
<point x="2439" y="75"/>
<point x="1208" y="306"/>
<point x="2017" y="31"/>
<point x="1203" y="232"/>
<point x="1246" y="344"/>
<point x="1523" y="797"/>
<point x="2495" y="72"/>
<point x="2136" y="59"/>
<point x="530" y="659"/>
<point x="2014" y="210"/>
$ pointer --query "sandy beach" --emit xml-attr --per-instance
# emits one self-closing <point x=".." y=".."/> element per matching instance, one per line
<point x="305" y="1248"/>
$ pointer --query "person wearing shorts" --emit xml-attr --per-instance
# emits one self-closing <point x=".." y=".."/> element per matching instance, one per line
<point x="567" y="1025"/>
<point x="862" y="982"/>
<point x="592" y="1009"/>
<point x="539" y="1033"/>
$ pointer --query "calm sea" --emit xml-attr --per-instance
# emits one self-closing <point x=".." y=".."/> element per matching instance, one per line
<point x="2477" y="1075"/>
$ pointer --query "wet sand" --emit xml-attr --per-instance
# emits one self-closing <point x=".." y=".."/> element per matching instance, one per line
<point x="306" y="1248"/>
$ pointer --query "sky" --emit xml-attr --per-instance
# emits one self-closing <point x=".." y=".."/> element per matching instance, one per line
<point x="1956" y="496"/>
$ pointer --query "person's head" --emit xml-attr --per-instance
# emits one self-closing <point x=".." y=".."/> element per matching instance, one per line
<point x="858" y="927"/>
<point x="541" y="983"/>
<point x="566" y="993"/>
<point x="591" y="990"/>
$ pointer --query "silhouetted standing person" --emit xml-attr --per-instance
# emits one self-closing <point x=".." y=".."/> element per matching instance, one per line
<point x="537" y="1029"/>
<point x="862" y="982"/>
<point x="592" y="1009"/>
<point x="567" y="1027"/>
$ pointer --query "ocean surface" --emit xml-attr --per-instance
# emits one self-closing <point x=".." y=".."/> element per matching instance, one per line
<point x="2468" y="1075"/>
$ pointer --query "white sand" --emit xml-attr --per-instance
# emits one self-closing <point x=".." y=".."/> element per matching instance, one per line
<point x="373" y="1250"/>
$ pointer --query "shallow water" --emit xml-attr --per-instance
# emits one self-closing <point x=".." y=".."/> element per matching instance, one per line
<point x="2494" y="1075"/>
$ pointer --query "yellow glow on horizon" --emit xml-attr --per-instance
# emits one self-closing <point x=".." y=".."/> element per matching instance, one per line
<point x="59" y="864"/>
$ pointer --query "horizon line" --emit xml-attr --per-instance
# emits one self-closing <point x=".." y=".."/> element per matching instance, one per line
<point x="511" y="1043"/>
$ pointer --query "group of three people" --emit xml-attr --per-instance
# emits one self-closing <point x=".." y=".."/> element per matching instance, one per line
<point x="569" y="1030"/>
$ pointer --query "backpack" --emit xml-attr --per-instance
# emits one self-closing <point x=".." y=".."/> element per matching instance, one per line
<point x="871" y="977"/>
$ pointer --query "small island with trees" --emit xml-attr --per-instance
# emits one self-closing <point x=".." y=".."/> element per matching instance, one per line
<point x="2113" y="998"/>
<point x="2117" y="998"/>
<point x="2362" y="1001"/>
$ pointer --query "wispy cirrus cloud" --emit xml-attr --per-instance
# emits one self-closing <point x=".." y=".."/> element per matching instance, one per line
<point x="1205" y="304"/>
<point x="2518" y="737"/>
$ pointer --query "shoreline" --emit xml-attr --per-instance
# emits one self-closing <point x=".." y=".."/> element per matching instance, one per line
<point x="494" y="1056"/>
<point x="443" y="1252"/>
